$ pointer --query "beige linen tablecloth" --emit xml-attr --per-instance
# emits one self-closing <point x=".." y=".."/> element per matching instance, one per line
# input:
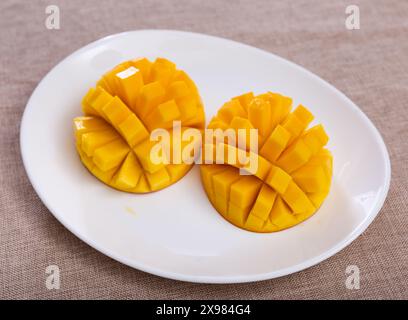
<point x="369" y="65"/>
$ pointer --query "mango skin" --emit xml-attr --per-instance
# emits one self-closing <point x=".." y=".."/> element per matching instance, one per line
<point x="128" y="102"/>
<point x="294" y="168"/>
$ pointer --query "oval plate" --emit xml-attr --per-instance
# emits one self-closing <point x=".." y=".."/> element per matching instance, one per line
<point x="176" y="233"/>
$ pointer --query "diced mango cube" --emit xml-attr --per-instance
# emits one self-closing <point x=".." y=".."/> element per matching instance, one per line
<point x="237" y="215"/>
<point x="129" y="83"/>
<point x="88" y="124"/>
<point x="221" y="204"/>
<point x="245" y="99"/>
<point x="241" y="123"/>
<point x="275" y="144"/>
<point x="105" y="176"/>
<point x="254" y="223"/>
<point x="144" y="65"/>
<point x="151" y="95"/>
<point x="87" y="161"/>
<point x="281" y="214"/>
<point x="280" y="106"/>
<point x="129" y="173"/>
<point x="269" y="227"/>
<point x="143" y="185"/>
<point x="109" y="80"/>
<point x="151" y="162"/>
<point x="317" y="198"/>
<point x="259" y="114"/>
<point x="177" y="170"/>
<point x="311" y="178"/>
<point x="230" y="110"/>
<point x="162" y="71"/>
<point x="278" y="179"/>
<point x="243" y="129"/>
<point x="111" y="155"/>
<point x="303" y="114"/>
<point x="244" y="191"/>
<point x="115" y="111"/>
<point x="323" y="158"/>
<point x="86" y="107"/>
<point x="100" y="99"/>
<point x="217" y="123"/>
<point x="296" y="199"/>
<point x="264" y="202"/>
<point x="222" y="182"/>
<point x="180" y="75"/>
<point x="315" y="138"/>
<point x="93" y="140"/>
<point x="178" y="89"/>
<point x="133" y="130"/>
<point x="158" y="179"/>
<point x="103" y="83"/>
<point x="295" y="156"/>
<point x="163" y="115"/>
<point x="257" y="166"/>
<point x="207" y="171"/>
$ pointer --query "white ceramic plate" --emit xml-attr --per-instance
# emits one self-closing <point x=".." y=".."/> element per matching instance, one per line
<point x="176" y="233"/>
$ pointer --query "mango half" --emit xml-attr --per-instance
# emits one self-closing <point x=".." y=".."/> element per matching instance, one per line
<point x="293" y="173"/>
<point x="128" y="103"/>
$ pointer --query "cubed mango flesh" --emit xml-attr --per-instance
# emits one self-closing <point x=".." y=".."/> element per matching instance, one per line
<point x="121" y="111"/>
<point x="293" y="170"/>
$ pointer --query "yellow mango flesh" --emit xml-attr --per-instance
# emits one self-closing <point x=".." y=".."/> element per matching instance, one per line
<point x="293" y="173"/>
<point x="128" y="102"/>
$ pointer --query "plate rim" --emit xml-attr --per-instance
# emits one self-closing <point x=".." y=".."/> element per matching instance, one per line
<point x="202" y="278"/>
